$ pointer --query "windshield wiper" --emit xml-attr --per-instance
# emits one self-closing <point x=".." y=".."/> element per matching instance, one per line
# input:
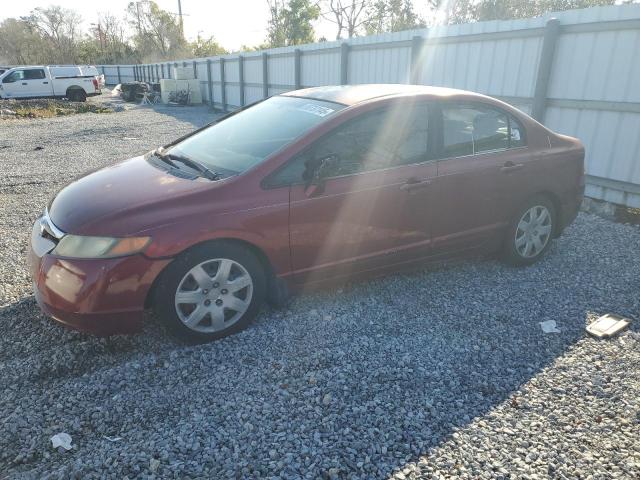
<point x="164" y="158"/>
<point x="171" y="158"/>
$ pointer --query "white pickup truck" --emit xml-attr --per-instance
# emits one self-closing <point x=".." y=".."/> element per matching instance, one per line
<point x="73" y="82"/>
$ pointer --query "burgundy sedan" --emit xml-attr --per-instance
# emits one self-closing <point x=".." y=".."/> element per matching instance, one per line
<point x="310" y="187"/>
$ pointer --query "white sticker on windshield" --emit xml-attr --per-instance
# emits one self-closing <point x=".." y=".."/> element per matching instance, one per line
<point x="318" y="110"/>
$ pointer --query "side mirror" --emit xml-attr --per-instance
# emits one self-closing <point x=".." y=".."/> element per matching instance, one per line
<point x="316" y="173"/>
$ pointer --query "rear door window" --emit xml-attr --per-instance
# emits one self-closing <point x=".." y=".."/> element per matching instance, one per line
<point x="475" y="129"/>
<point x="33" y="74"/>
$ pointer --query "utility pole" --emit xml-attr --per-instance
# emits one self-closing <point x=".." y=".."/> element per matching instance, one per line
<point x="180" y="15"/>
<point x="138" y="15"/>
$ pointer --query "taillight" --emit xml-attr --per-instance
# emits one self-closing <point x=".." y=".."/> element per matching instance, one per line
<point x="95" y="83"/>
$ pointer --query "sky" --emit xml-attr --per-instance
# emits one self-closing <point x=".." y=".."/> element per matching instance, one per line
<point x="232" y="22"/>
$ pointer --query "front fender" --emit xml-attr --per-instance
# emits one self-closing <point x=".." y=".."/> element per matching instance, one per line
<point x="266" y="229"/>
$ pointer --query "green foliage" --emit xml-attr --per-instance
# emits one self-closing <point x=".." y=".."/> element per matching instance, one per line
<point x="392" y="16"/>
<point x="19" y="44"/>
<point x="290" y="23"/>
<point x="158" y="33"/>
<point x="206" y="47"/>
<point x="469" y="10"/>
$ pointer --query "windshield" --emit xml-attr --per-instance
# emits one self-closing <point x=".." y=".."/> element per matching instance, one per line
<point x="247" y="138"/>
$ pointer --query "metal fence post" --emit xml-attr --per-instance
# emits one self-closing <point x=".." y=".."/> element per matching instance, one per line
<point x="223" y="88"/>
<point x="265" y="75"/>
<point x="119" y="76"/>
<point x="241" y="78"/>
<point x="417" y="59"/>
<point x="209" y="83"/>
<point x="195" y="69"/>
<point x="344" y="63"/>
<point x="157" y="72"/>
<point x="162" y="70"/>
<point x="296" y="66"/>
<point x="549" y="41"/>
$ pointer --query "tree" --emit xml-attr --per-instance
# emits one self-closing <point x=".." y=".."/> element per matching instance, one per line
<point x="470" y="11"/>
<point x="158" y="33"/>
<point x="392" y="16"/>
<point x="298" y="17"/>
<point x="348" y="15"/>
<point x="59" y="28"/>
<point x="290" y="23"/>
<point x="20" y="45"/>
<point x="206" y="47"/>
<point x="106" y="42"/>
<point x="276" y="28"/>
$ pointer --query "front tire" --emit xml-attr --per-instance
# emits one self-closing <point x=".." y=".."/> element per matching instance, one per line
<point x="211" y="291"/>
<point x="530" y="233"/>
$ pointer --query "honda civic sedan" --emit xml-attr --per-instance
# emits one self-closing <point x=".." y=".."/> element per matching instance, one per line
<point x="312" y="187"/>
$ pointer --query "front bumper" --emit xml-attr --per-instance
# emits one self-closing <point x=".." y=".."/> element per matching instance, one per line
<point x="100" y="296"/>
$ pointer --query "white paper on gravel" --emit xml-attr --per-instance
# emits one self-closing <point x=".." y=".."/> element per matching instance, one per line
<point x="61" y="440"/>
<point x="549" y="326"/>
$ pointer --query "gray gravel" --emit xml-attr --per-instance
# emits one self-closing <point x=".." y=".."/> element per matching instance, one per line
<point x="440" y="373"/>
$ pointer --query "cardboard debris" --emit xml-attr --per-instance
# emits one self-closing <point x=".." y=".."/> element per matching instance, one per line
<point x="608" y="325"/>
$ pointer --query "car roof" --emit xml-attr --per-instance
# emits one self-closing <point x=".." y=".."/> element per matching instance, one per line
<point x="353" y="94"/>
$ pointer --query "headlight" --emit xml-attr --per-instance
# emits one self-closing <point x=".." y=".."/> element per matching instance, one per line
<point x="99" y="247"/>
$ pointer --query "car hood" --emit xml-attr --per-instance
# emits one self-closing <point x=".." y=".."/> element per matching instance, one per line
<point x="124" y="199"/>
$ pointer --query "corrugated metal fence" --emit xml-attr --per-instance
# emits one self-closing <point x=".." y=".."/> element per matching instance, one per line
<point x="577" y="71"/>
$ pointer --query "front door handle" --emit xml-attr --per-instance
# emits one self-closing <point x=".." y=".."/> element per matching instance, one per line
<point x="45" y="82"/>
<point x="24" y="83"/>
<point x="509" y="167"/>
<point x="415" y="184"/>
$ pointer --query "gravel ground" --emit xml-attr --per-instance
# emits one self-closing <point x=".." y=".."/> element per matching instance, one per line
<point x="440" y="373"/>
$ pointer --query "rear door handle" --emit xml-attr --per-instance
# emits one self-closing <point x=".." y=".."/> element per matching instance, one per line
<point x="509" y="167"/>
<point x="45" y="82"/>
<point x="415" y="184"/>
<point x="24" y="83"/>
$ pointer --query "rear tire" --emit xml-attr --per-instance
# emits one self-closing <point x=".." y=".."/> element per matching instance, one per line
<point x="77" y="95"/>
<point x="211" y="291"/>
<point x="530" y="233"/>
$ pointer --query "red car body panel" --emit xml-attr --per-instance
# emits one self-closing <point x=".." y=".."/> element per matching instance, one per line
<point x="99" y="296"/>
<point x="359" y="225"/>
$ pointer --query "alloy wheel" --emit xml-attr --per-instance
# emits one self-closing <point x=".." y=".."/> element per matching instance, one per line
<point x="213" y="295"/>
